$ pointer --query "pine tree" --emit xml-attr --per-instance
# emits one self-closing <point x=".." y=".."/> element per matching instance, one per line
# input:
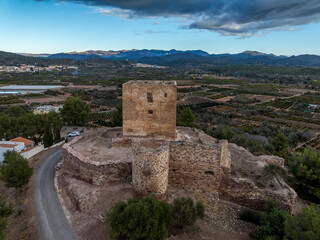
<point x="48" y="136"/>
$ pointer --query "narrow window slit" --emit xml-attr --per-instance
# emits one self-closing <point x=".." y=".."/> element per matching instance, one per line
<point x="149" y="97"/>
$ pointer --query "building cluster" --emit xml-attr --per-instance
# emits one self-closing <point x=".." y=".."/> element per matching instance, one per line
<point x="23" y="146"/>
<point x="32" y="68"/>
<point x="47" y="108"/>
<point x="143" y="65"/>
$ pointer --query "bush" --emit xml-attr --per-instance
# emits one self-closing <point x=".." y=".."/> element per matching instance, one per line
<point x="186" y="118"/>
<point x="271" y="225"/>
<point x="15" y="171"/>
<point x="200" y="210"/>
<point x="272" y="170"/>
<point x="305" y="225"/>
<point x="140" y="219"/>
<point x="306" y="169"/>
<point x="272" y="204"/>
<point x="280" y="145"/>
<point x="250" y="216"/>
<point x="185" y="213"/>
<point x="5" y="212"/>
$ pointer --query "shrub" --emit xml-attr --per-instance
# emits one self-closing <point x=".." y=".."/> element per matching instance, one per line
<point x="272" y="170"/>
<point x="272" y="204"/>
<point x="271" y="225"/>
<point x="280" y="145"/>
<point x="305" y="225"/>
<point x="200" y="210"/>
<point x="186" y="118"/>
<point x="5" y="212"/>
<point x="250" y="216"/>
<point x="306" y="169"/>
<point x="15" y="171"/>
<point x="140" y="219"/>
<point x="185" y="212"/>
<point x="5" y="209"/>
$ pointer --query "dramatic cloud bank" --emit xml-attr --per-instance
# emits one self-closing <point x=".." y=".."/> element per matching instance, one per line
<point x="229" y="17"/>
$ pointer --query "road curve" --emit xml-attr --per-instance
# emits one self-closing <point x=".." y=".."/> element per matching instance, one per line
<point x="52" y="223"/>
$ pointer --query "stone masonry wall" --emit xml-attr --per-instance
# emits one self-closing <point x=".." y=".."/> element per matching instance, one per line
<point x="81" y="167"/>
<point x="197" y="166"/>
<point x="149" y="109"/>
<point x="150" y="167"/>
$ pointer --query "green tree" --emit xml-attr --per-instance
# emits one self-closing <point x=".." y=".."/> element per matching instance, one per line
<point x="280" y="145"/>
<point x="306" y="169"/>
<point x="140" y="219"/>
<point x="3" y="226"/>
<point x="48" y="136"/>
<point x="116" y="117"/>
<point x="271" y="225"/>
<point x="15" y="171"/>
<point x="272" y="170"/>
<point x="305" y="225"/>
<point x="5" y="209"/>
<point x="227" y="133"/>
<point x="186" y="118"/>
<point x="5" y="212"/>
<point x="75" y="111"/>
<point x="56" y="121"/>
<point x="185" y="212"/>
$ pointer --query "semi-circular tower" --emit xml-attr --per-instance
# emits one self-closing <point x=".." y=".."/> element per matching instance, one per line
<point x="150" y="168"/>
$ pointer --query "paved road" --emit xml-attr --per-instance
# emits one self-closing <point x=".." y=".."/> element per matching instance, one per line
<point x="52" y="223"/>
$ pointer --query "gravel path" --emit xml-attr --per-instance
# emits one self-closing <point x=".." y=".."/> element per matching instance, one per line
<point x="52" y="223"/>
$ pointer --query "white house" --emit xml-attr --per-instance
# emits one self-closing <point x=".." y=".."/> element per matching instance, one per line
<point x="23" y="146"/>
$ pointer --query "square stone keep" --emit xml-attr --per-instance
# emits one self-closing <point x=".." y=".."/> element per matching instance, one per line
<point x="149" y="109"/>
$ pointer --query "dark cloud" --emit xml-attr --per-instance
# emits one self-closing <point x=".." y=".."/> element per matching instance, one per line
<point x="229" y="17"/>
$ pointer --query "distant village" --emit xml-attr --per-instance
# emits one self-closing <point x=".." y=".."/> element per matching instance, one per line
<point x="31" y="68"/>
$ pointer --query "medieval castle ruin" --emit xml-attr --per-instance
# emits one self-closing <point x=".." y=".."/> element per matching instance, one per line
<point x="152" y="154"/>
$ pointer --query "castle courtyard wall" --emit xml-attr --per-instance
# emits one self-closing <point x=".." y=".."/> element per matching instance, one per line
<point x="81" y="167"/>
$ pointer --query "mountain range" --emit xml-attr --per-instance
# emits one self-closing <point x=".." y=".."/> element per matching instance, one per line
<point x="176" y="57"/>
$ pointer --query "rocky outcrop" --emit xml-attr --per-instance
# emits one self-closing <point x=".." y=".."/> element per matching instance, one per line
<point x="246" y="186"/>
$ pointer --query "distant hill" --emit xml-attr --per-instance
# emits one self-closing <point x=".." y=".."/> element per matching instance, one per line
<point x="175" y="57"/>
<point x="123" y="54"/>
<point x="160" y="57"/>
<point x="12" y="59"/>
<point x="17" y="59"/>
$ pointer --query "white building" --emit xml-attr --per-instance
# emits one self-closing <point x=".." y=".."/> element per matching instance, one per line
<point x="24" y="147"/>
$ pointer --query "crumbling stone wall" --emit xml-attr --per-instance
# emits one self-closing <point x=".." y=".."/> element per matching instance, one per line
<point x="149" y="109"/>
<point x="245" y="192"/>
<point x="150" y="168"/>
<point x="197" y="166"/>
<point x="81" y="167"/>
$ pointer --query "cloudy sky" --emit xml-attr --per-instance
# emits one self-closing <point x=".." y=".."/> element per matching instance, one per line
<point x="286" y="27"/>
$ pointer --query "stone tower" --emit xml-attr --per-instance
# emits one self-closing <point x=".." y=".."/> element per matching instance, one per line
<point x="149" y="118"/>
<point x="150" y="167"/>
<point x="149" y="109"/>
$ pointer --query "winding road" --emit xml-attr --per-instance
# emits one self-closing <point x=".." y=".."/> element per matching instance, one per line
<point x="52" y="223"/>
